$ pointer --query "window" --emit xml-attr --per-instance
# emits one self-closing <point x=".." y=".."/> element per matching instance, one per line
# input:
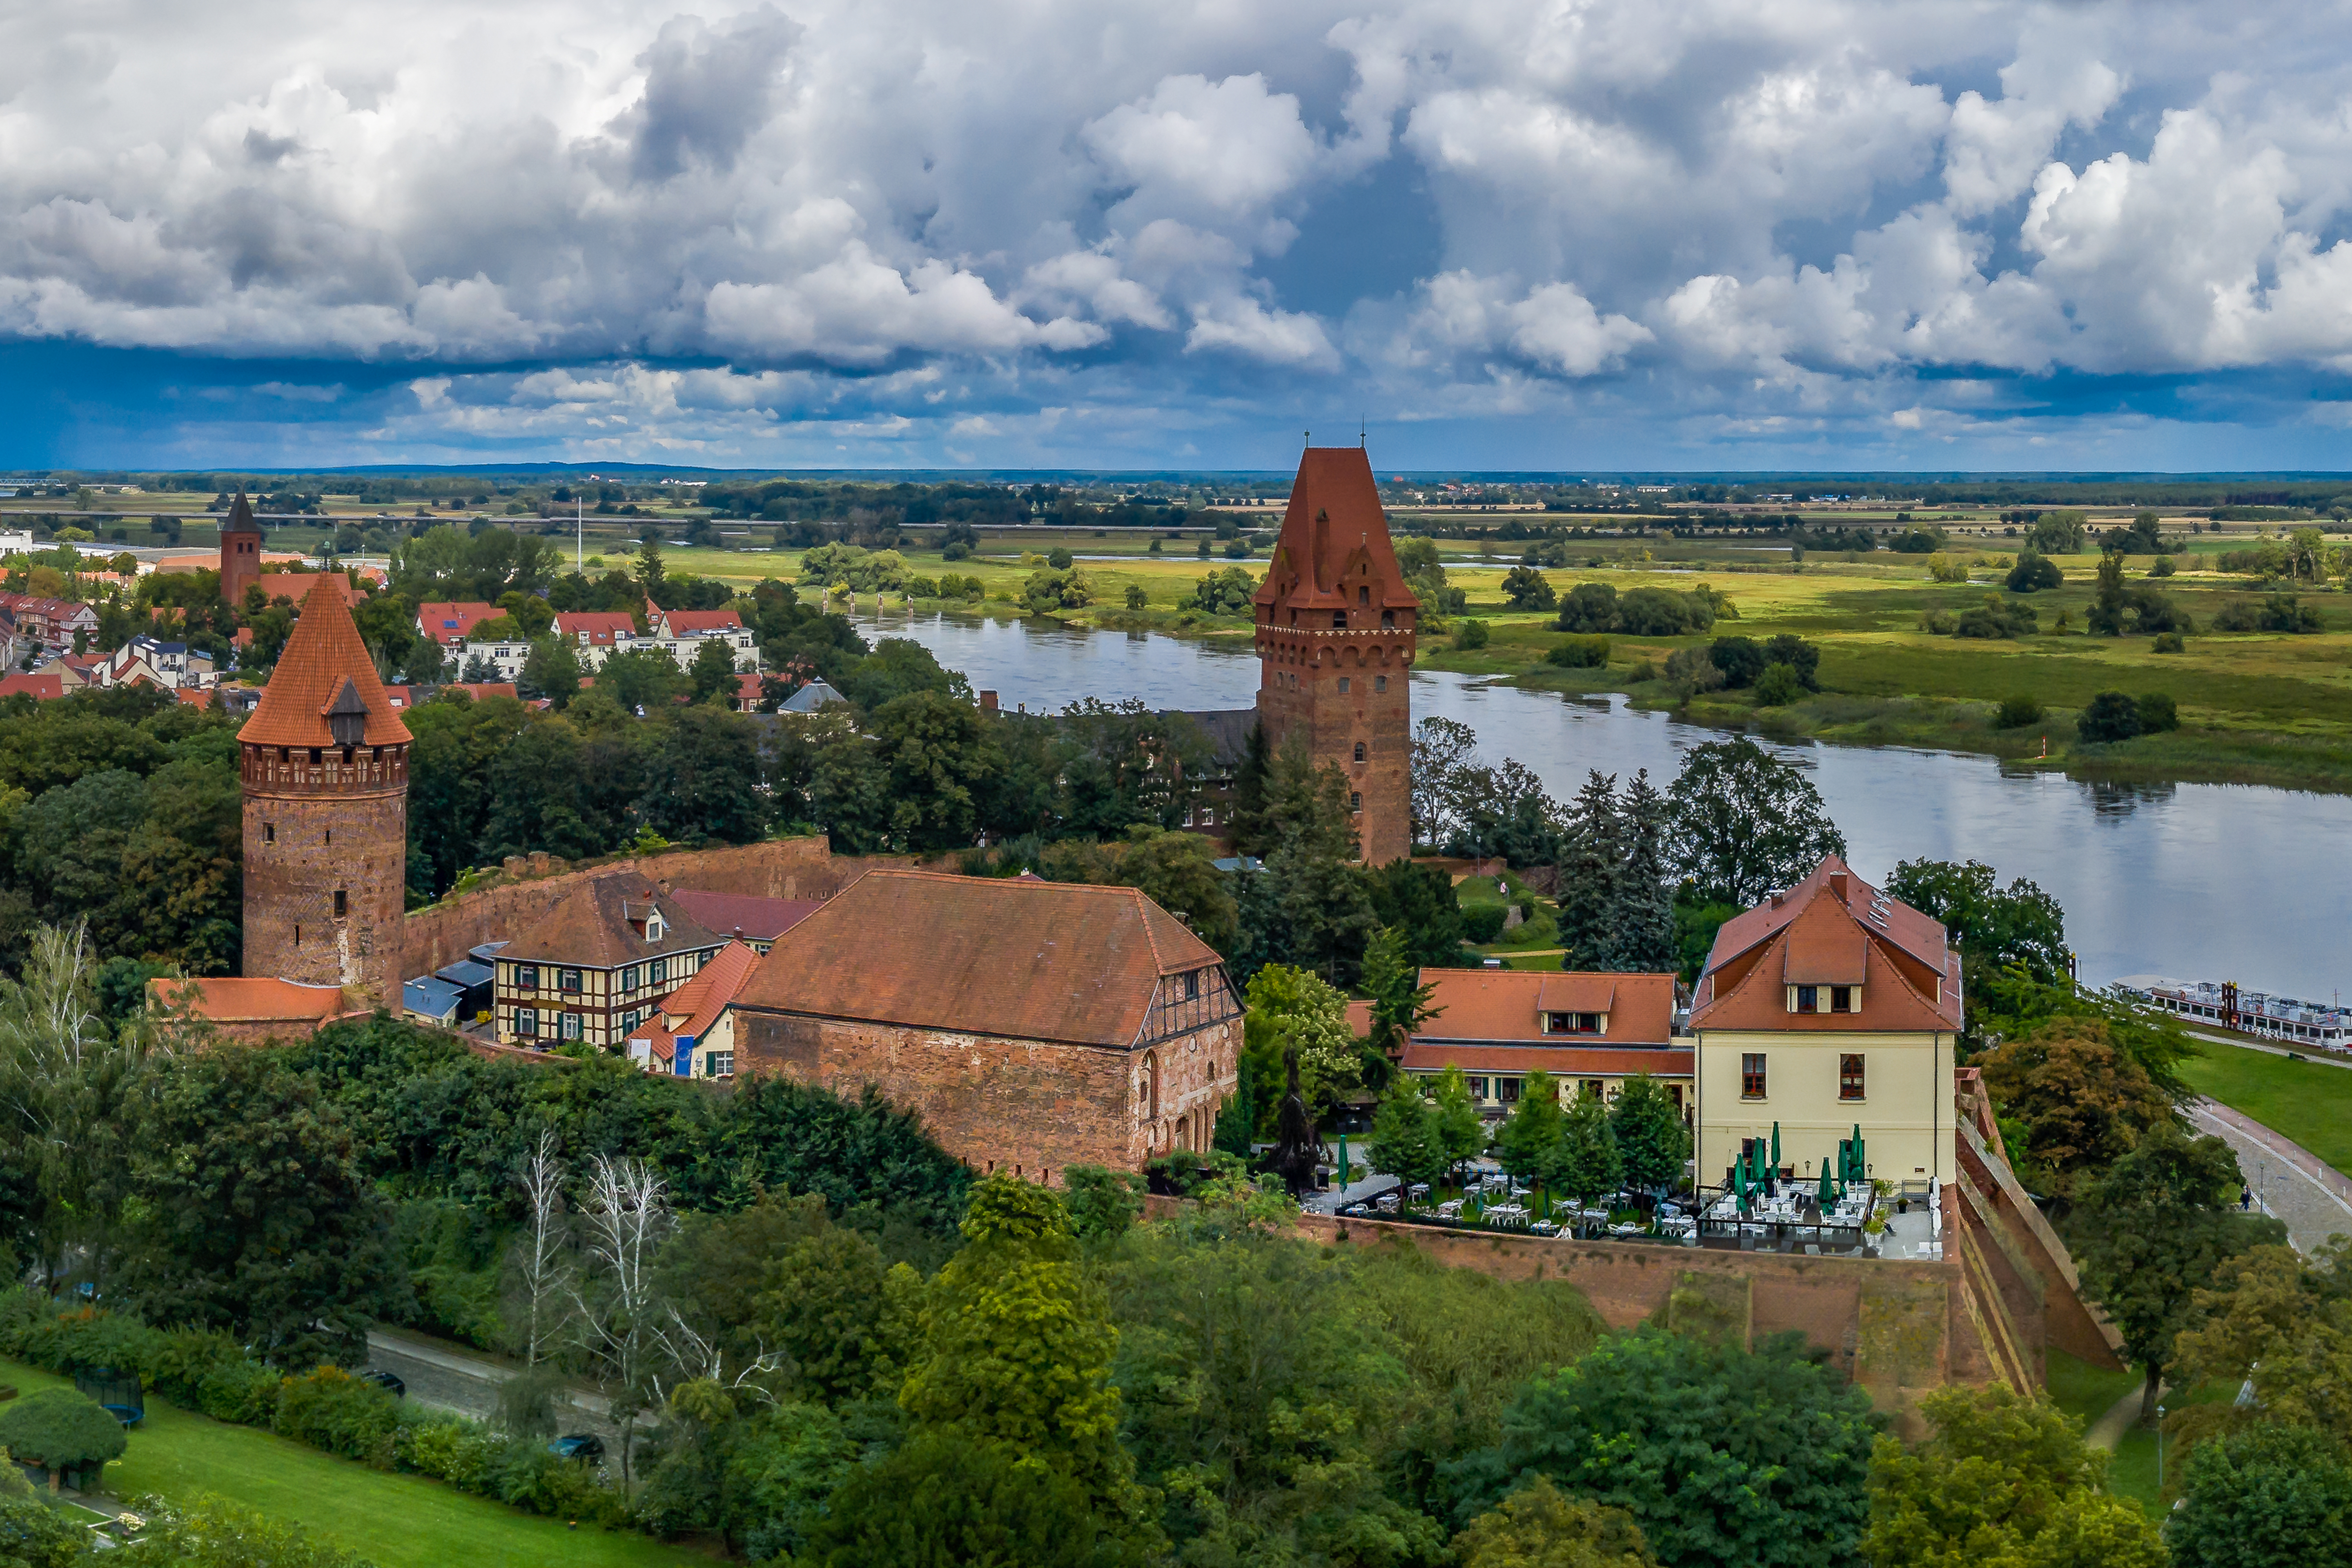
<point x="1590" y="1089"/>
<point x="718" y="1064"/>
<point x="568" y="980"/>
<point x="1381" y="682"/>
<point x="570" y="1029"/>
<point x="526" y="1021"/>
<point x="1477" y="1088"/>
<point x="1359" y="751"/>
<point x="1850" y="1076"/>
<point x="657" y="970"/>
<point x="343" y="904"/>
<point x="330" y="835"/>
<point x="1343" y="686"/>
<point x="1845" y="998"/>
<point x="1208" y="817"/>
<point x="1506" y="1090"/>
<point x="1674" y="1092"/>
<point x="270" y="832"/>
<point x="632" y="977"/>
<point x="526" y="976"/>
<point x="632" y="1018"/>
<point x="1192" y="985"/>
<point x="1571" y="1023"/>
<point x="1809" y="999"/>
<point x="1338" y="620"/>
<point x="1355" y="801"/>
<point x="1751" y="1075"/>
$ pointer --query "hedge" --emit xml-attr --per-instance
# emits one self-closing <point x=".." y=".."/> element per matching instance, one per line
<point x="327" y="1407"/>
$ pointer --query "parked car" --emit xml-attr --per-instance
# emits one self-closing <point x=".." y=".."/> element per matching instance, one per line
<point x="389" y="1382"/>
<point x="584" y="1447"/>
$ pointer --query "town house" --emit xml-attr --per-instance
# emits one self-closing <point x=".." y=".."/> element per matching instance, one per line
<point x="1589" y="1032"/>
<point x="594" y="966"/>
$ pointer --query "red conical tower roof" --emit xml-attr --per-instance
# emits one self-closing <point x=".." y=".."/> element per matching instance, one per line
<point x="1334" y="524"/>
<point x="322" y="655"/>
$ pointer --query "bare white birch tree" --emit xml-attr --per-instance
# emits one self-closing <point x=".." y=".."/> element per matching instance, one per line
<point x="625" y="1218"/>
<point x="542" y="1272"/>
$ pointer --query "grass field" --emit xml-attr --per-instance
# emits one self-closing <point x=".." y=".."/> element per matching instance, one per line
<point x="395" y="1520"/>
<point x="2310" y="1102"/>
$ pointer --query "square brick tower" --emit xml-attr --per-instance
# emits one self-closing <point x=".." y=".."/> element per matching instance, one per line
<point x="1334" y="630"/>
<point x="240" y="565"/>
<point x="325" y="769"/>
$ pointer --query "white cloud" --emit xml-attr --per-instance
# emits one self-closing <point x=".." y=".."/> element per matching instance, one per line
<point x="1246" y="328"/>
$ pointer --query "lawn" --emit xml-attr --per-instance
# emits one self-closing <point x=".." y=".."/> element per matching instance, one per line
<point x="2310" y="1102"/>
<point x="395" y="1520"/>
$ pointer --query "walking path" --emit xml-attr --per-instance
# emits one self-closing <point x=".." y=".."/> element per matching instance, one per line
<point x="2289" y="1182"/>
<point x="2309" y="1053"/>
<point x="451" y="1378"/>
<point x="2121" y="1417"/>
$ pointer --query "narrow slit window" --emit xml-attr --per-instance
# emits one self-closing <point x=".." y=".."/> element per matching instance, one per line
<point x="270" y="832"/>
<point x="343" y="904"/>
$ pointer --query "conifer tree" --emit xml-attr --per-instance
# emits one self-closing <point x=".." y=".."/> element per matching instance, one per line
<point x="1590" y="874"/>
<point x="1405" y="1140"/>
<point x="1585" y="1162"/>
<point x="1526" y="1140"/>
<point x="1643" y="917"/>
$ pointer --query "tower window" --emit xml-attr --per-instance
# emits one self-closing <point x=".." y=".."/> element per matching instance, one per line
<point x="1343" y="686"/>
<point x="1355" y="801"/>
<point x="1380" y="683"/>
<point x="297" y="936"/>
<point x="343" y="904"/>
<point x="1363" y="595"/>
<point x="1388" y="620"/>
<point x="1359" y="751"/>
<point x="270" y="832"/>
<point x="330" y="835"/>
<point x="1338" y="620"/>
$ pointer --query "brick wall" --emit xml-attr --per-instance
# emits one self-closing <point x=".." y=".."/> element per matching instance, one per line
<point x="301" y="848"/>
<point x="1332" y="722"/>
<point x="1029" y="1106"/>
<point x="773" y="869"/>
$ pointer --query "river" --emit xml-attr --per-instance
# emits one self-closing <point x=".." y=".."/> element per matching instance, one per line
<point x="2199" y="881"/>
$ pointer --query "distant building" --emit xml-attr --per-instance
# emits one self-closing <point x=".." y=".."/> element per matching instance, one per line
<point x="49" y="623"/>
<point x="240" y="550"/>
<point x="592" y="968"/>
<point x="1032" y="1025"/>
<point x="169" y="665"/>
<point x="450" y="623"/>
<point x="1589" y="1032"/>
<point x="1829" y="1006"/>
<point x="251" y="1012"/>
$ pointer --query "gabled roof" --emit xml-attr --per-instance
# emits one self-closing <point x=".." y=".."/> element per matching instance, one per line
<point x="1011" y="958"/>
<point x="601" y="627"/>
<point x="1334" y="525"/>
<point x="1497" y="1005"/>
<point x="816" y="694"/>
<point x="41" y="687"/>
<point x="453" y="620"/>
<point x="745" y="914"/>
<point x="1832" y="929"/>
<point x="692" y="622"/>
<point x="599" y="925"/>
<point x="695" y="1006"/>
<point x="323" y="653"/>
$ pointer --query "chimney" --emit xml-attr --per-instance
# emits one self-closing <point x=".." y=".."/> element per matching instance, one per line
<point x="1837" y="885"/>
<point x="1779" y="897"/>
<point x="988" y="702"/>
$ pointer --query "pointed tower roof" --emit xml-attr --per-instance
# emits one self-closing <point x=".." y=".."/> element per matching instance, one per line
<point x="240" y="516"/>
<point x="324" y="670"/>
<point x="1334" y="524"/>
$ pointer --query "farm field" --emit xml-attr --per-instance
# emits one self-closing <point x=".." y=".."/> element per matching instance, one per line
<point x="395" y="1521"/>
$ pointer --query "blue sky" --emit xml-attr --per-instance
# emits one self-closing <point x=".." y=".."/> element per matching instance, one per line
<point x="1566" y="234"/>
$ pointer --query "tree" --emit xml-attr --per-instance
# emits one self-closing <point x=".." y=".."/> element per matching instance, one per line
<point x="2156" y="1226"/>
<point x="702" y="777"/>
<point x="1651" y="1138"/>
<point x="2281" y="1323"/>
<point x="538" y="1260"/>
<point x="1103" y="1203"/>
<point x="1740" y="659"/>
<point x="625" y="1218"/>
<point x="2057" y="532"/>
<point x="841" y="1318"/>
<point x="1441" y="748"/>
<point x="1400" y="1001"/>
<point x="2110" y="602"/>
<point x="938" y="755"/>
<point x="2003" y="1479"/>
<point x="61" y="1429"/>
<point x="2081" y="1102"/>
<point x="1461" y="1129"/>
<point x="1644" y="918"/>
<point x="712" y="672"/>
<point x="1293" y="1009"/>
<point x="1748" y="822"/>
<point x="1994" y="929"/>
<point x="253" y="1214"/>
<point x="1418" y="900"/>
<point x="551" y="672"/>
<point x="2273" y="1497"/>
<point x="945" y="1498"/>
<point x="1252" y="833"/>
<point x="1589" y="887"/>
<point x="1178" y="871"/>
<point x="1721" y="1455"/>
<point x="1527" y="589"/>
<point x="1538" y="1526"/>
<point x="2032" y="573"/>
<point x="1586" y="1163"/>
<point x="1017" y="1342"/>
<point x="1524" y="1142"/>
<point x="1405" y="1141"/>
<point x="2108" y="716"/>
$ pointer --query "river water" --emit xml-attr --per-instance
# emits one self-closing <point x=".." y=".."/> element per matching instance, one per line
<point x="2199" y="881"/>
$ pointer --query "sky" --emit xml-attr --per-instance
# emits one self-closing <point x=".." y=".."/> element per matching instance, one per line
<point x="1575" y="235"/>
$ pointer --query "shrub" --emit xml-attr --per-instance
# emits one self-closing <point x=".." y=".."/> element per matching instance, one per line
<point x="1996" y="618"/>
<point x="1482" y="923"/>
<point x="2157" y="713"/>
<point x="922" y="588"/>
<point x="1777" y="687"/>
<point x="1917" y="541"/>
<point x="2032" y="573"/>
<point x="2170" y="642"/>
<point x="955" y="551"/>
<point x="1059" y="559"/>
<point x="1135" y="596"/>
<point x="1940" y="622"/>
<point x="1942" y="568"/>
<point x="1581" y="653"/>
<point x="1660" y="612"/>
<point x="330" y="1409"/>
<point x="2163" y="567"/>
<point x="1471" y="634"/>
<point x="1798" y="654"/>
<point x="1588" y="607"/>
<point x="2110" y="716"/>
<point x="1739" y="658"/>
<point x="61" y="1429"/>
<point x="2016" y="712"/>
<point x="1694" y="668"/>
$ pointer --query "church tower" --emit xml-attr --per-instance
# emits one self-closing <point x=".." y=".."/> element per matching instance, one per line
<point x="240" y="540"/>
<point x="325" y="771"/>
<point x="1335" y="634"/>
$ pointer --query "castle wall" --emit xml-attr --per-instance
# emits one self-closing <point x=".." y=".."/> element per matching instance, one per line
<point x="1031" y="1107"/>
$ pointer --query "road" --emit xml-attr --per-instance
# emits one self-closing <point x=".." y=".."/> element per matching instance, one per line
<point x="448" y="1379"/>
<point x="2289" y="1181"/>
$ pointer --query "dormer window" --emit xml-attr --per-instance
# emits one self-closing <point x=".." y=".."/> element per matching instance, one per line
<point x="1575" y="1023"/>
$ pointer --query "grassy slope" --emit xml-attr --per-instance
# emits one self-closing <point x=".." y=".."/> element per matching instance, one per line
<point x="398" y="1521"/>
<point x="2307" y="1101"/>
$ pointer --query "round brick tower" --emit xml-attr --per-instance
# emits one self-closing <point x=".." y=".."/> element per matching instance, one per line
<point x="1335" y="639"/>
<point x="325" y="772"/>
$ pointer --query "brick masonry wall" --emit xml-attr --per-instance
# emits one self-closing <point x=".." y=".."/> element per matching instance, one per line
<point x="299" y="850"/>
<point x="1332" y="722"/>
<point x="773" y="869"/>
<point x="1028" y="1106"/>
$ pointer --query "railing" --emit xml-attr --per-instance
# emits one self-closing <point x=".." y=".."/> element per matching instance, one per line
<point x="1758" y="1230"/>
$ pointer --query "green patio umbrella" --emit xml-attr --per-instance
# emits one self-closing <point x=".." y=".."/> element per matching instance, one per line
<point x="1776" y="1146"/>
<point x="1739" y="1180"/>
<point x="1825" y="1197"/>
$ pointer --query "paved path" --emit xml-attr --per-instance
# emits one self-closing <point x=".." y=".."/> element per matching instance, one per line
<point x="2121" y="1417"/>
<point x="450" y="1379"/>
<point x="2308" y="1053"/>
<point x="2289" y="1181"/>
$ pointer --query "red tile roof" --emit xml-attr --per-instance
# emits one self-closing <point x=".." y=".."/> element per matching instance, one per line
<point x="193" y="697"/>
<point x="602" y="626"/>
<point x="482" y="691"/>
<point x="297" y="585"/>
<point x="1334" y="524"/>
<point x="1011" y="958"/>
<point x="1832" y="929"/>
<point x="43" y="686"/>
<point x="236" y="1001"/>
<point x="449" y="621"/>
<point x="697" y="1003"/>
<point x="690" y="623"/>
<point x="323" y="654"/>
<point x="1560" y="1061"/>
<point x="745" y="915"/>
<point x="600" y="925"/>
<point x="1510" y="1003"/>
